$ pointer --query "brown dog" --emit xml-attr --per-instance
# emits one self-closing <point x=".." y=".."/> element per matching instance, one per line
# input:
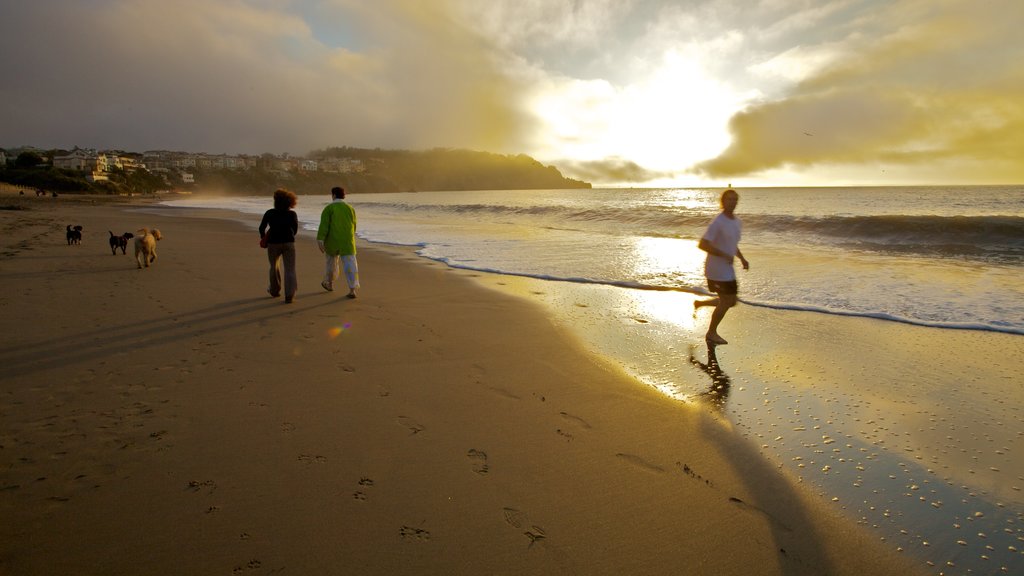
<point x="145" y="246"/>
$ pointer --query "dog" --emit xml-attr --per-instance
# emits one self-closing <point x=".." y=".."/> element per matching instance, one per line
<point x="145" y="246"/>
<point x="74" y="235"/>
<point x="119" y="242"/>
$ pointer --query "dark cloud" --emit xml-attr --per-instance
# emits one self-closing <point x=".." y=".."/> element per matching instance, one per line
<point x="609" y="171"/>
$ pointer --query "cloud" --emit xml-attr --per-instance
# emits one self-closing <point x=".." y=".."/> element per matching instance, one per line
<point x="609" y="171"/>
<point x="237" y="76"/>
<point x="941" y="91"/>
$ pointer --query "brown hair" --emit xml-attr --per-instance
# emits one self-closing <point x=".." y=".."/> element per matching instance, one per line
<point x="284" y="199"/>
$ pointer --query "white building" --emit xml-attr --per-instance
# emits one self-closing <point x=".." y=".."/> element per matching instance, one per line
<point x="78" y="160"/>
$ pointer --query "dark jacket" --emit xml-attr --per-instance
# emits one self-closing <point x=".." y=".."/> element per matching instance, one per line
<point x="284" y="225"/>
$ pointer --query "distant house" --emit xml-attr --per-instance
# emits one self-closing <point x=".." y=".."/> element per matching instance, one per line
<point x="130" y="163"/>
<point x="343" y="165"/>
<point x="3" y="158"/>
<point x="235" y="163"/>
<point x="90" y="164"/>
<point x="349" y="165"/>
<point x="78" y="160"/>
<point x="184" y="162"/>
<point x="156" y="161"/>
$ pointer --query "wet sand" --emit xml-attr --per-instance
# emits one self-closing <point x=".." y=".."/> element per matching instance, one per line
<point x="177" y="419"/>
<point x="913" y="432"/>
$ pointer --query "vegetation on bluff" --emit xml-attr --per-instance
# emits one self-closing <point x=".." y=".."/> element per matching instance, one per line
<point x="377" y="171"/>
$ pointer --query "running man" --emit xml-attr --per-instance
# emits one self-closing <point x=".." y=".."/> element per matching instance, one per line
<point x="721" y="242"/>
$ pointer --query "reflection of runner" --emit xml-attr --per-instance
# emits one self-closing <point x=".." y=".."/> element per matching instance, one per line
<point x="721" y="242"/>
<point x="718" y="393"/>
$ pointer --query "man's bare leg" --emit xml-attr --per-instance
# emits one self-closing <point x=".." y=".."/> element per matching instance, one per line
<point x="702" y="303"/>
<point x="725" y="302"/>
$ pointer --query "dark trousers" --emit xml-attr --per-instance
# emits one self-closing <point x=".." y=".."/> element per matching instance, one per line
<point x="276" y="253"/>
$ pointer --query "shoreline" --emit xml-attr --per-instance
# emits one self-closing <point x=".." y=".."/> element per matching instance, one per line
<point x="196" y="409"/>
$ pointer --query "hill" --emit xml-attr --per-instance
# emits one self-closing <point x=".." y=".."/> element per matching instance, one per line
<point x="399" y="171"/>
<point x="366" y="171"/>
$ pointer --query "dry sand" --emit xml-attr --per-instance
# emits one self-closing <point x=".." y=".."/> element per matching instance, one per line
<point x="177" y="420"/>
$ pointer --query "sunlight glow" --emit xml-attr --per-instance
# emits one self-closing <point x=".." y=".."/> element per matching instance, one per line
<point x="674" y="262"/>
<point x="669" y="120"/>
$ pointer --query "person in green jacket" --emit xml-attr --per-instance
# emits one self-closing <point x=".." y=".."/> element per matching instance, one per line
<point x="336" y="238"/>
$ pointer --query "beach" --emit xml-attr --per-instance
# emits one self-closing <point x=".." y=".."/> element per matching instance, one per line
<point x="178" y="420"/>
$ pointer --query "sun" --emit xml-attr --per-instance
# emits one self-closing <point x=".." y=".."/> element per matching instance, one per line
<point x="666" y="121"/>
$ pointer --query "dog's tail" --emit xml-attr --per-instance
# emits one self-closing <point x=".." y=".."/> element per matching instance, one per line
<point x="142" y="231"/>
<point x="111" y="233"/>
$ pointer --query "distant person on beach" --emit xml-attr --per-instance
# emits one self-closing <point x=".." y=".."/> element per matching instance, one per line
<point x="721" y="242"/>
<point x="283" y="225"/>
<point x="336" y="238"/>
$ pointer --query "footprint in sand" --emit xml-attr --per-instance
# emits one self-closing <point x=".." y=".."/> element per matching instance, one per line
<point x="504" y="393"/>
<point x="514" y="517"/>
<point x="359" y="494"/>
<point x="414" y="534"/>
<point x="197" y="485"/>
<point x="411" y="424"/>
<point x="479" y="459"/>
<point x="750" y="507"/>
<point x="518" y="519"/>
<point x="640" y="463"/>
<point x="309" y="459"/>
<point x="575" y="419"/>
<point x="693" y="474"/>
<point x="287" y="427"/>
<point x="251" y="565"/>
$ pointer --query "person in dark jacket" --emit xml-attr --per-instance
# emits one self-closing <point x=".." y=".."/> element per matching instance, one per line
<point x="283" y="225"/>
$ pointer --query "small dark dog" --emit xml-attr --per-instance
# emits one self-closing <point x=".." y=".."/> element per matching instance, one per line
<point x="74" y="235"/>
<point x="119" y="242"/>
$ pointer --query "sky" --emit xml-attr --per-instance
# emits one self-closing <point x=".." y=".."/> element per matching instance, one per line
<point x="615" y="92"/>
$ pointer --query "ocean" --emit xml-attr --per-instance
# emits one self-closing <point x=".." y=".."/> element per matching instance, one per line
<point x="949" y="257"/>
<point x="927" y="459"/>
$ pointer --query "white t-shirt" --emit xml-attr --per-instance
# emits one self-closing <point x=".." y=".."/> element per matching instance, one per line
<point x="723" y="233"/>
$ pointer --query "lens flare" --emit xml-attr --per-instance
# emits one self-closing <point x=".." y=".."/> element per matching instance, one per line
<point x="337" y="330"/>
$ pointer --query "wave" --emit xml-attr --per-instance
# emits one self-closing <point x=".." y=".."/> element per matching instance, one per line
<point x="991" y="237"/>
<point x="940" y="235"/>
<point x="785" y="306"/>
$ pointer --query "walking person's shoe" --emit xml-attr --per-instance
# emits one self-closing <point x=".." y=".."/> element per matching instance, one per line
<point x="327" y="286"/>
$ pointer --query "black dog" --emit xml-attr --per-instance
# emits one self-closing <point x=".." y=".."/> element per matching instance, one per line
<point x="119" y="242"/>
<point x="74" y="235"/>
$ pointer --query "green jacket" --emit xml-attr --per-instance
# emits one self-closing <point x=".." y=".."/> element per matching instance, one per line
<point x="338" y="229"/>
